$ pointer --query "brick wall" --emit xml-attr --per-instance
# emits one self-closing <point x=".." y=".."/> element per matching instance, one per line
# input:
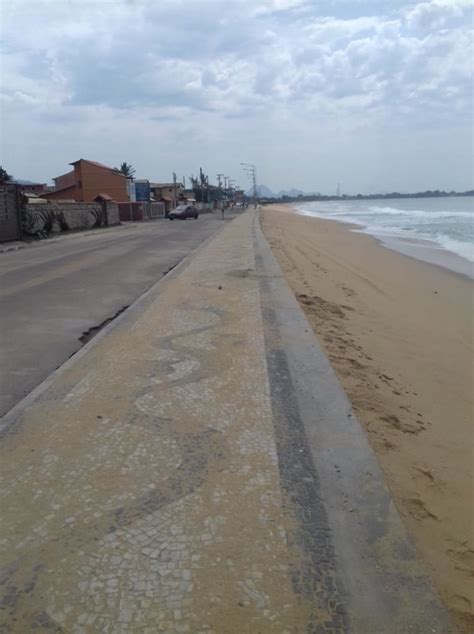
<point x="138" y="211"/>
<point x="135" y="211"/>
<point x="62" y="216"/>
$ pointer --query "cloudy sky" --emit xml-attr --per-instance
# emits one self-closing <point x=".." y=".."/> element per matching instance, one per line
<point x="376" y="94"/>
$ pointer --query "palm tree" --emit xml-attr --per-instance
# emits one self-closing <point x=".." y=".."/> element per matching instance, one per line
<point x="126" y="169"/>
<point x="4" y="176"/>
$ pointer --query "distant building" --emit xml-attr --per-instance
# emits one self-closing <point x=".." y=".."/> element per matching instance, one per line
<point x="187" y="196"/>
<point x="169" y="193"/>
<point x="87" y="180"/>
<point x="33" y="198"/>
<point x="142" y="190"/>
<point x="32" y="188"/>
<point x="239" y="196"/>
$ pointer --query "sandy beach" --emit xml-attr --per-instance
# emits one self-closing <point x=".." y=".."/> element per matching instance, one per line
<point x="399" y="334"/>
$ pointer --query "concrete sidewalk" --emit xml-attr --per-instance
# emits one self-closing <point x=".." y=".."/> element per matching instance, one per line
<point x="197" y="468"/>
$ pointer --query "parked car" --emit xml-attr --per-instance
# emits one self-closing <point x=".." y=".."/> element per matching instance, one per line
<point x="184" y="211"/>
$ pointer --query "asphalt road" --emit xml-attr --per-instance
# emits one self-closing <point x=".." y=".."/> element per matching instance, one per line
<point x="53" y="293"/>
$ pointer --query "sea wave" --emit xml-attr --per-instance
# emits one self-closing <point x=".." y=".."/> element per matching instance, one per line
<point x="387" y="211"/>
<point x="452" y="230"/>
<point x="419" y="212"/>
<point x="463" y="249"/>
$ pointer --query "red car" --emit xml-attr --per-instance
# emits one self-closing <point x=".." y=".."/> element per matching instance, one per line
<point x="184" y="211"/>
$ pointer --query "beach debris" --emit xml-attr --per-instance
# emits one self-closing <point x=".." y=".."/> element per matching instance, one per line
<point x="426" y="472"/>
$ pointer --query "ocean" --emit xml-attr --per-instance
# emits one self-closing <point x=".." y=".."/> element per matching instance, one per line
<point x="439" y="230"/>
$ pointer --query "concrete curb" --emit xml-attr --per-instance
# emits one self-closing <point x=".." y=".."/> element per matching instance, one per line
<point x="385" y="585"/>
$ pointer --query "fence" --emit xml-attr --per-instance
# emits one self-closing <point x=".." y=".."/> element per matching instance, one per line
<point x="204" y="208"/>
<point x="10" y="221"/>
<point x="139" y="211"/>
<point x="157" y="210"/>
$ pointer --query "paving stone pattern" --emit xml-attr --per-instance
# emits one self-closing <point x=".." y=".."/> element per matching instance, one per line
<point x="148" y="489"/>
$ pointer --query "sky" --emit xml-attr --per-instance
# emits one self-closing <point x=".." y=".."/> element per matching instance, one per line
<point x="374" y="94"/>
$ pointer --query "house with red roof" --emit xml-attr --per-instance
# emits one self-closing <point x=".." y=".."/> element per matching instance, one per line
<point x="87" y="181"/>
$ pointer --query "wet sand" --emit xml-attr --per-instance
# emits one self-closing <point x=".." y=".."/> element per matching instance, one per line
<point x="399" y="334"/>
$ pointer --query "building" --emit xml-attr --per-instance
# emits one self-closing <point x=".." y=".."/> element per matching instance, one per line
<point x="87" y="180"/>
<point x="169" y="193"/>
<point x="187" y="196"/>
<point x="239" y="196"/>
<point x="32" y="188"/>
<point x="142" y="190"/>
<point x="33" y="198"/>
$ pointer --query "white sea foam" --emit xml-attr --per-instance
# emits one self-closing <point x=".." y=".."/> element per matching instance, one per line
<point x="419" y="212"/>
<point x="463" y="249"/>
<point x="446" y="223"/>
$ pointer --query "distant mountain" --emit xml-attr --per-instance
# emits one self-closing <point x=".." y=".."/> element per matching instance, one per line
<point x="291" y="192"/>
<point x="294" y="193"/>
<point x="262" y="191"/>
<point x="266" y="192"/>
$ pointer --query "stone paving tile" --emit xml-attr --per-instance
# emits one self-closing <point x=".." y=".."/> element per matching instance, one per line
<point x="143" y="489"/>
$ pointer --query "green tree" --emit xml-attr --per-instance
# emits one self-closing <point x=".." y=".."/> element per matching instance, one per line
<point x="126" y="169"/>
<point x="4" y="176"/>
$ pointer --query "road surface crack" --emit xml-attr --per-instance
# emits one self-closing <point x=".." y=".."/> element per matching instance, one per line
<point x="89" y="334"/>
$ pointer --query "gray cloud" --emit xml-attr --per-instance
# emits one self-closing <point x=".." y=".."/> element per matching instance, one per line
<point x="341" y="67"/>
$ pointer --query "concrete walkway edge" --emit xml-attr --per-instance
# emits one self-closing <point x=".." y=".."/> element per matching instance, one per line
<point x="382" y="578"/>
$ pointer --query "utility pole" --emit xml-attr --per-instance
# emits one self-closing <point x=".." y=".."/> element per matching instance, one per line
<point x="251" y="171"/>
<point x="232" y="190"/>
<point x="221" y="195"/>
<point x="174" y="190"/>
<point x="130" y="208"/>
<point x="236" y="189"/>
<point x="201" y="178"/>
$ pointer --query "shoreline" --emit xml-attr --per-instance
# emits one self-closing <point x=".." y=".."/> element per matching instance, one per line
<point x="420" y="249"/>
<point x="398" y="332"/>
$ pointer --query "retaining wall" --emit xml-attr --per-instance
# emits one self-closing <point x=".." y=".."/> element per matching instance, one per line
<point x="62" y="216"/>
